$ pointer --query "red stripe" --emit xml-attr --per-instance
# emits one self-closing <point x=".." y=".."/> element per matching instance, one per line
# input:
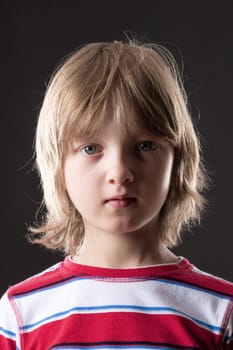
<point x="122" y="327"/>
<point x="6" y="343"/>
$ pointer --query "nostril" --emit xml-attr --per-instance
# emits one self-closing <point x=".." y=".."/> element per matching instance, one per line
<point x="120" y="179"/>
<point x="111" y="181"/>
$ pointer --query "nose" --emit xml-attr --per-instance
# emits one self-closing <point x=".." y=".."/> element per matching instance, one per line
<point x="119" y="172"/>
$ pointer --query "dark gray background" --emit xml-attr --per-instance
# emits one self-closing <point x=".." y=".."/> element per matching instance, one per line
<point x="35" y="35"/>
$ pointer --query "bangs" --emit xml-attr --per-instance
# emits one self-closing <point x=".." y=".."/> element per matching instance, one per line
<point x="123" y="114"/>
<point x="120" y="88"/>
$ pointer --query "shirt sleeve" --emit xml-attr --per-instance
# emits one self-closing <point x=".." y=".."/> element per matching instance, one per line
<point x="228" y="339"/>
<point x="9" y="335"/>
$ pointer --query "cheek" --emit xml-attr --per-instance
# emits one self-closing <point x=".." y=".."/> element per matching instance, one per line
<point x="71" y="180"/>
<point x="160" y="176"/>
<point x="79" y="184"/>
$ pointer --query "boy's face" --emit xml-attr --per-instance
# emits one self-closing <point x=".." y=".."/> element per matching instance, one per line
<point x="119" y="182"/>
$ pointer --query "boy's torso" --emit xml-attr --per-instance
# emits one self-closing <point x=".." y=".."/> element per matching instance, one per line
<point x="163" y="307"/>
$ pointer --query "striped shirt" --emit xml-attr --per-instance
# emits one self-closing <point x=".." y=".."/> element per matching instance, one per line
<point x="72" y="306"/>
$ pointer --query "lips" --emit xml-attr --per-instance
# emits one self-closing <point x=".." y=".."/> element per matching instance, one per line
<point x="120" y="201"/>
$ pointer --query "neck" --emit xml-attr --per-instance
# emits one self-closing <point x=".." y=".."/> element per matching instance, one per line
<point x="123" y="250"/>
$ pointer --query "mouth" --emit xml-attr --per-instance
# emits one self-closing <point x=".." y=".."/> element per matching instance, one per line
<point x="120" y="201"/>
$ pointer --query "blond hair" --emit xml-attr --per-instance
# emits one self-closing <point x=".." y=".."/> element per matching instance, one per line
<point x="82" y="94"/>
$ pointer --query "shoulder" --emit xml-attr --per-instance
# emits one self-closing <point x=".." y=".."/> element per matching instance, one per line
<point x="42" y="280"/>
<point x="208" y="297"/>
<point x="207" y="282"/>
<point x="20" y="298"/>
<point x="211" y="282"/>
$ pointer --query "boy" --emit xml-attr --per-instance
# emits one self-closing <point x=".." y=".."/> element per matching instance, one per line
<point x="122" y="176"/>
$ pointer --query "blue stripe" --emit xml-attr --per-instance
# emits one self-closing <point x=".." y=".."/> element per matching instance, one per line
<point x="7" y="332"/>
<point x="114" y="347"/>
<point x="121" y="307"/>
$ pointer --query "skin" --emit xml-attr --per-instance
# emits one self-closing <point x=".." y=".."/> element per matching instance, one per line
<point x="119" y="183"/>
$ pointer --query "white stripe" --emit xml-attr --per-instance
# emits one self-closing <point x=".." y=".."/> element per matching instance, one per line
<point x="155" y="296"/>
<point x="8" y="326"/>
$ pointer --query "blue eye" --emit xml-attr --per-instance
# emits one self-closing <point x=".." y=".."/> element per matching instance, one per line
<point x="147" y="146"/>
<point x="91" y="149"/>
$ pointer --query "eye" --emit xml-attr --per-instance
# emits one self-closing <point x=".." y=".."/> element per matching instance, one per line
<point x="147" y="146"/>
<point x="91" y="149"/>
